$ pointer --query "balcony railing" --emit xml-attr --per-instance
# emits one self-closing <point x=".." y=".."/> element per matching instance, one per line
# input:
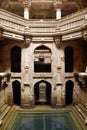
<point x="73" y="21"/>
<point x="13" y="23"/>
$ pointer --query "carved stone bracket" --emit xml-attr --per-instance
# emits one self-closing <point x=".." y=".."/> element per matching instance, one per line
<point x="27" y="37"/>
<point x="4" y="77"/>
<point x="58" y="42"/>
<point x="85" y="35"/>
<point x="27" y="40"/>
<point x="81" y="78"/>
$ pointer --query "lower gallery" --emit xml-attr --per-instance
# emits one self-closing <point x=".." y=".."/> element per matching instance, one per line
<point x="43" y="72"/>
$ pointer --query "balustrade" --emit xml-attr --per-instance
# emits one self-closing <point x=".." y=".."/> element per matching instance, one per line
<point x="74" y="20"/>
<point x="17" y="24"/>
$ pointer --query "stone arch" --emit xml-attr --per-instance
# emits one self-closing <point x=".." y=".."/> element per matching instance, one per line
<point x="42" y="59"/>
<point x="69" y="92"/>
<point x="15" y="59"/>
<point x="42" y="47"/>
<point x="69" y="59"/>
<point x="16" y="86"/>
<point x="42" y="92"/>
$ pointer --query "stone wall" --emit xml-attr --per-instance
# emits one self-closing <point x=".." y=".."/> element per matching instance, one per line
<point x="57" y="78"/>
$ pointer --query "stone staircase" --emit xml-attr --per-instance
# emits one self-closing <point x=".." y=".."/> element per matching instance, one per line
<point x="4" y="109"/>
<point x="80" y="115"/>
<point x="8" y="118"/>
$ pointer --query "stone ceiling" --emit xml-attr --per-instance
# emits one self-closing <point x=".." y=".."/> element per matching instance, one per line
<point x="43" y="8"/>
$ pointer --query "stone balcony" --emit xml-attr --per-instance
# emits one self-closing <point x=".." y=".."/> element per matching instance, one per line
<point x="69" y="27"/>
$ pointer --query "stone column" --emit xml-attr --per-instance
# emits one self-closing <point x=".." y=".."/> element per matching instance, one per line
<point x="59" y="87"/>
<point x="28" y="100"/>
<point x="58" y="13"/>
<point x="57" y="5"/>
<point x="26" y="5"/>
<point x="26" y="81"/>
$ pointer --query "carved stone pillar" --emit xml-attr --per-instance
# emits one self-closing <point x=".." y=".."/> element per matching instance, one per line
<point x="57" y="5"/>
<point x="26" y="5"/>
<point x="28" y="100"/>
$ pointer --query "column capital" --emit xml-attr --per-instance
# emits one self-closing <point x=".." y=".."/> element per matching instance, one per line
<point x="57" y="4"/>
<point x="26" y="3"/>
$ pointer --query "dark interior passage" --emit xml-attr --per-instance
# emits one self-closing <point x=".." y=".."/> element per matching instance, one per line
<point x="16" y="59"/>
<point x="42" y="67"/>
<point x="68" y="59"/>
<point x="69" y="92"/>
<point x="42" y="91"/>
<point x="42" y="61"/>
<point x="16" y="92"/>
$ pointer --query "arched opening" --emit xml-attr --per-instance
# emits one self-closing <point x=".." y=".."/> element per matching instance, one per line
<point x="42" y="92"/>
<point x="69" y="92"/>
<point x="15" y="59"/>
<point x="16" y="92"/>
<point x="42" y="59"/>
<point x="68" y="59"/>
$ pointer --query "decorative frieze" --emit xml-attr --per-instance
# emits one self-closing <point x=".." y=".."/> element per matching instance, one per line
<point x="42" y="39"/>
<point x="11" y="35"/>
<point x="72" y="36"/>
<point x="42" y="75"/>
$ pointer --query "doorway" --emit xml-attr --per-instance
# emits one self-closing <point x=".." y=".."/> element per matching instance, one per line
<point x="42" y="92"/>
<point x="69" y="92"/>
<point x="16" y="92"/>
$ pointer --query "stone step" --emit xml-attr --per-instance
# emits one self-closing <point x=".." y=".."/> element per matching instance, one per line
<point x="5" y="112"/>
<point x="3" y="108"/>
<point x="81" y="116"/>
<point x="83" y="108"/>
<point x="1" y="104"/>
<point x="77" y="113"/>
<point x="8" y="118"/>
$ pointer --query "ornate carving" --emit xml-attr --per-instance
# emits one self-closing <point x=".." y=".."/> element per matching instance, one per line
<point x="27" y="40"/>
<point x="58" y="42"/>
<point x="26" y="3"/>
<point x="57" y="3"/>
<point x="85" y="35"/>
